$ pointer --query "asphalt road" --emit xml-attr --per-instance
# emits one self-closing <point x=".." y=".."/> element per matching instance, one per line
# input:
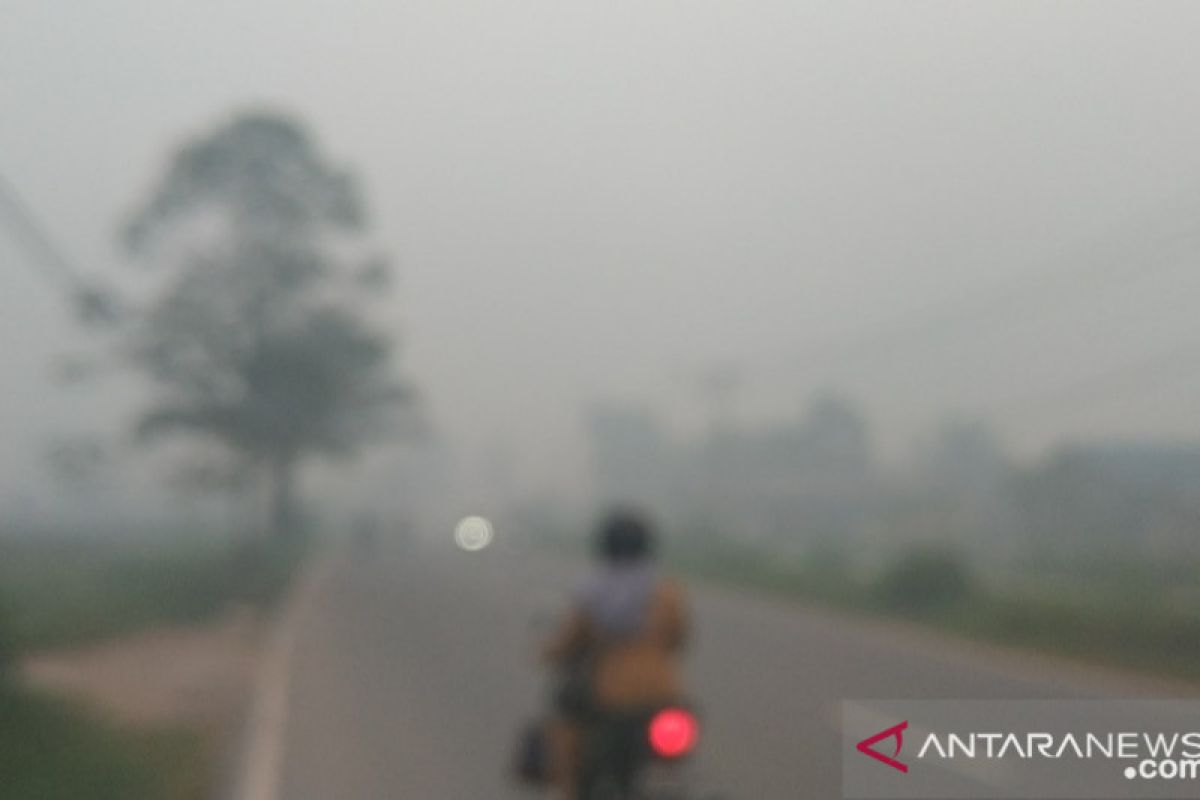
<point x="412" y="671"/>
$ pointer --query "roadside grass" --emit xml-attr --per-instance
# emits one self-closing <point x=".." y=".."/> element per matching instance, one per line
<point x="1147" y="637"/>
<point x="51" y="750"/>
<point x="1117" y="623"/>
<point x="66" y="592"/>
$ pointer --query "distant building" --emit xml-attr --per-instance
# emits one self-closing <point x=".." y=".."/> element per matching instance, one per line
<point x="1164" y="467"/>
<point x="1115" y="498"/>
<point x="806" y="479"/>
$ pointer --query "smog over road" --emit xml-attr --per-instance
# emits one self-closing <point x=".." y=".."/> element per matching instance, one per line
<point x="469" y="400"/>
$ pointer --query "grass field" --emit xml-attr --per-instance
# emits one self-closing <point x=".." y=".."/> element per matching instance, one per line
<point x="1116" y="620"/>
<point x="51" y="750"/>
<point x="62" y="593"/>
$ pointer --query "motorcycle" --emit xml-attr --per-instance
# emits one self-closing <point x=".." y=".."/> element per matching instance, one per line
<point x="645" y="755"/>
<point x="641" y="756"/>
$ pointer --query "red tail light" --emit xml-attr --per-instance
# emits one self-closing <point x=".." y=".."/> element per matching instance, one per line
<point x="673" y="733"/>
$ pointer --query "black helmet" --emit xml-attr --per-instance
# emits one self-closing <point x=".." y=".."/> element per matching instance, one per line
<point x="624" y="535"/>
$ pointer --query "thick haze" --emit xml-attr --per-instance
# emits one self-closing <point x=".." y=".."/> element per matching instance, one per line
<point x="593" y="201"/>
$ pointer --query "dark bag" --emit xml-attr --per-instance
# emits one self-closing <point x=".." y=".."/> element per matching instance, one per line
<point x="531" y="761"/>
<point x="573" y="696"/>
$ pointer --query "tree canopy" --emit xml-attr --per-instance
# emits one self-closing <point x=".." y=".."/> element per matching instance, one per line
<point x="257" y="338"/>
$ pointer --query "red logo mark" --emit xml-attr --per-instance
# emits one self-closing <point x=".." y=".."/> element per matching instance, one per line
<point x="895" y="732"/>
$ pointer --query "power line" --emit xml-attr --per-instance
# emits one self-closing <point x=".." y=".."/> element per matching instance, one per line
<point x="94" y="304"/>
<point x="34" y="237"/>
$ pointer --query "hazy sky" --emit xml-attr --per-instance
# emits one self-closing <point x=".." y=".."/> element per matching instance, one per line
<point x="594" y="200"/>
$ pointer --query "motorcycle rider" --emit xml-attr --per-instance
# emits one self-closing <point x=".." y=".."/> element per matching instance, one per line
<point x="618" y="654"/>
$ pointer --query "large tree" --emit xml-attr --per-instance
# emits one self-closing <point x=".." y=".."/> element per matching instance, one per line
<point x="255" y="339"/>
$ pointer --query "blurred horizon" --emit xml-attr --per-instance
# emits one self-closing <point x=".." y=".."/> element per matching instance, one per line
<point x="722" y="238"/>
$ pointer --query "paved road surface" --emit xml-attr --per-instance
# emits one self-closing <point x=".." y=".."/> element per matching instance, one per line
<point x="412" y="671"/>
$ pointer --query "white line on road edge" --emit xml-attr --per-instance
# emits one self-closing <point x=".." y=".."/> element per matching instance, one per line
<point x="262" y="767"/>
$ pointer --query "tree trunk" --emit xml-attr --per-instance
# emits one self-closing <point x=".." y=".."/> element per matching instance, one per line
<point x="283" y="516"/>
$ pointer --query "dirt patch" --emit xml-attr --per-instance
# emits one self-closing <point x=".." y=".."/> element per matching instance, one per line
<point x="194" y="677"/>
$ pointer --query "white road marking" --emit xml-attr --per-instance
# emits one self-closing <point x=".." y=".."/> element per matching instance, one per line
<point x="263" y="766"/>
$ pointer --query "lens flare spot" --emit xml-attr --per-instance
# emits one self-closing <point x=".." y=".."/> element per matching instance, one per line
<point x="473" y="533"/>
